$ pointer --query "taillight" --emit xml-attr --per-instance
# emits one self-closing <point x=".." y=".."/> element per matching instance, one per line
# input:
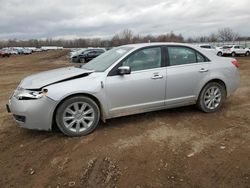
<point x="235" y="63"/>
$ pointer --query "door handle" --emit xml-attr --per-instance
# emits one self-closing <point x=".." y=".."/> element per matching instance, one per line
<point x="203" y="70"/>
<point x="157" y="77"/>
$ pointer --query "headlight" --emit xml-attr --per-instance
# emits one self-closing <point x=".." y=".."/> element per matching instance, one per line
<point x="23" y="94"/>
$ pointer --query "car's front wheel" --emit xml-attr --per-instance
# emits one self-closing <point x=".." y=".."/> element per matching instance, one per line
<point x="247" y="53"/>
<point x="211" y="97"/>
<point x="219" y="53"/>
<point x="77" y="116"/>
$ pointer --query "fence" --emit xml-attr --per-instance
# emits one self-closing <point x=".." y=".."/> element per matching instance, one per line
<point x="242" y="43"/>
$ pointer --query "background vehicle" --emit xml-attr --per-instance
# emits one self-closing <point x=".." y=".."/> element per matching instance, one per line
<point x="13" y="52"/>
<point x="27" y="51"/>
<point x="235" y="50"/>
<point x="19" y="50"/>
<point x="4" y="53"/>
<point x="219" y="51"/>
<point x="87" y="55"/>
<point x="211" y="48"/>
<point x="125" y="80"/>
<point x="76" y="52"/>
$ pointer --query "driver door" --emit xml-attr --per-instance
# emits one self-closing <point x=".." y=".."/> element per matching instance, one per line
<point x="141" y="90"/>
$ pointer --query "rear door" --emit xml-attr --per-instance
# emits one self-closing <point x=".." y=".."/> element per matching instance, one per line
<point x="186" y="68"/>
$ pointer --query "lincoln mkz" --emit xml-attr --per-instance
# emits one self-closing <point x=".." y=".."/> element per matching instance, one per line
<point x="126" y="80"/>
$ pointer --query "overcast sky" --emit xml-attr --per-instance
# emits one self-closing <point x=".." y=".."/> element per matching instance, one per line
<point x="27" y="19"/>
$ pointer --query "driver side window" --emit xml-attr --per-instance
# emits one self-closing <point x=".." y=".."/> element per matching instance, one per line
<point x="148" y="58"/>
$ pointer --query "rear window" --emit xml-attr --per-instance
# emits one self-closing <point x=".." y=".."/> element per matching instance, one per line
<point x="205" y="46"/>
<point x="226" y="47"/>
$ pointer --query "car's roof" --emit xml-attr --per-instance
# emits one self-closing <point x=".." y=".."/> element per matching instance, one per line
<point x="141" y="45"/>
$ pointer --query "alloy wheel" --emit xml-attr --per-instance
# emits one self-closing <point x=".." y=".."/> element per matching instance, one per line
<point x="78" y="117"/>
<point x="212" y="97"/>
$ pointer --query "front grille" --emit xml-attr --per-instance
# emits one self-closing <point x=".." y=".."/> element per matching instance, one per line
<point x="19" y="118"/>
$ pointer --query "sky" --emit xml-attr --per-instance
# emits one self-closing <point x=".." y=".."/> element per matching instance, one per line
<point x="69" y="19"/>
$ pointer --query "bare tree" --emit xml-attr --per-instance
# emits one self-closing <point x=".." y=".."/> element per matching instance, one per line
<point x="213" y="37"/>
<point x="126" y="36"/>
<point x="227" y="34"/>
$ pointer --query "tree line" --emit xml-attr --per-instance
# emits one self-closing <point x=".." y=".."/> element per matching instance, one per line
<point x="125" y="37"/>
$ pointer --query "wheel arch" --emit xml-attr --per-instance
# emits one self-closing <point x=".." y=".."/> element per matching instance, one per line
<point x="220" y="81"/>
<point x="95" y="99"/>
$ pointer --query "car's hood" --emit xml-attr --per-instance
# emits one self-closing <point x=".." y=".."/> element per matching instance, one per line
<point x="40" y="80"/>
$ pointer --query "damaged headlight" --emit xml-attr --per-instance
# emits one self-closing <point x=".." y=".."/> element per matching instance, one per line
<point x="23" y="94"/>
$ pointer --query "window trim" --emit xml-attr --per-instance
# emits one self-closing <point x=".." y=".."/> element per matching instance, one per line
<point x="196" y="52"/>
<point x="113" y="71"/>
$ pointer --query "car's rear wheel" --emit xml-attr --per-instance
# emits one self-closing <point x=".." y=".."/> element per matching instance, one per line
<point x="233" y="54"/>
<point x="77" y="116"/>
<point x="247" y="53"/>
<point x="211" y="97"/>
<point x="82" y="60"/>
<point x="219" y="53"/>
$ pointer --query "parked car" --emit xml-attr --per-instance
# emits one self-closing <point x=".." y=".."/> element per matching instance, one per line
<point x="211" y="48"/>
<point x="75" y="52"/>
<point x="87" y="55"/>
<point x="126" y="80"/>
<point x="19" y="50"/>
<point x="13" y="52"/>
<point x="27" y="51"/>
<point x="37" y="50"/>
<point x="4" y="53"/>
<point x="219" y="51"/>
<point x="235" y="50"/>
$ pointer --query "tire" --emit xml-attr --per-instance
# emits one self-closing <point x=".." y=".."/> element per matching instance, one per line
<point x="247" y="53"/>
<point x="219" y="54"/>
<point x="233" y="54"/>
<point x="73" y="122"/>
<point x="209" y="93"/>
<point x="74" y="60"/>
<point x="82" y="60"/>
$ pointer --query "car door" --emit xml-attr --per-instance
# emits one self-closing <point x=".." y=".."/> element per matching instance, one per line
<point x="141" y="90"/>
<point x="185" y="72"/>
<point x="242" y="50"/>
<point x="237" y="50"/>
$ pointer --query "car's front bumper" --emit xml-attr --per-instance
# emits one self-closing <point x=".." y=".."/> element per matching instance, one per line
<point x="32" y="114"/>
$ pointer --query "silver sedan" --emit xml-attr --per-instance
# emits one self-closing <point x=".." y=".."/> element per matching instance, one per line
<point x="126" y="80"/>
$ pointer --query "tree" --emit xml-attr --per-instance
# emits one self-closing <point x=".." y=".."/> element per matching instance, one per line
<point x="227" y="34"/>
<point x="126" y="36"/>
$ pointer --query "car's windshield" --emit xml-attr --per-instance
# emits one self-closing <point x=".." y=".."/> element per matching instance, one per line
<point x="104" y="61"/>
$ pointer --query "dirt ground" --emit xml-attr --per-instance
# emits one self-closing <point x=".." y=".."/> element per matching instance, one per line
<point x="171" y="148"/>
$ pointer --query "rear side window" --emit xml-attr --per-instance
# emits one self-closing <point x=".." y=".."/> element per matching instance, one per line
<point x="200" y="58"/>
<point x="179" y="55"/>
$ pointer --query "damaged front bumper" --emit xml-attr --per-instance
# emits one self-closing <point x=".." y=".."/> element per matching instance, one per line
<point x="32" y="114"/>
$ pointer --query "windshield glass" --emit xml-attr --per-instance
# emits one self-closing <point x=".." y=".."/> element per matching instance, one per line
<point x="104" y="61"/>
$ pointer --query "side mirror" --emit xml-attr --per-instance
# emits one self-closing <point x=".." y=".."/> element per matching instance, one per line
<point x="124" y="70"/>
